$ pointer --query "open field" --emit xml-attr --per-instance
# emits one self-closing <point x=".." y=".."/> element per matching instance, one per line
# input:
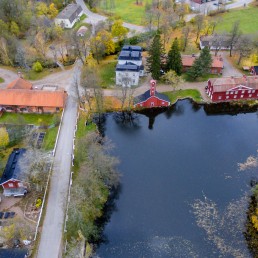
<point x="247" y="17"/>
<point x="107" y="69"/>
<point x="127" y="10"/>
<point x="182" y="94"/>
<point x="1" y="80"/>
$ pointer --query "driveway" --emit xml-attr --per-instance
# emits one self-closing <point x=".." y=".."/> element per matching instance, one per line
<point x="8" y="76"/>
<point x="51" y="244"/>
<point x="229" y="69"/>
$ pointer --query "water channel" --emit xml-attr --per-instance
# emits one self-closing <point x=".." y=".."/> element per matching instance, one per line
<point x="182" y="194"/>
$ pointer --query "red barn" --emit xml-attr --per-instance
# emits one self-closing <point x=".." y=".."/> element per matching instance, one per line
<point x="13" y="175"/>
<point x="151" y="98"/>
<point x="233" y="88"/>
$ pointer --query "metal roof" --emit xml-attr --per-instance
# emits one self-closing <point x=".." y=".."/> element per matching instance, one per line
<point x="127" y="67"/>
<point x="131" y="48"/>
<point x="146" y="95"/>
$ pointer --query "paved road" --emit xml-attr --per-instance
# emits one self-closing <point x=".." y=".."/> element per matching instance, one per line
<point x="52" y="232"/>
<point x="94" y="18"/>
<point x="229" y="69"/>
<point x="8" y="76"/>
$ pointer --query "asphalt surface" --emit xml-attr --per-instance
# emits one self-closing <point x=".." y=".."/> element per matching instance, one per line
<point x="51" y="244"/>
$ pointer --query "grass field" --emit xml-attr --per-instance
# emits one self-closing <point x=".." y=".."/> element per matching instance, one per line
<point x="247" y="17"/>
<point x="128" y="10"/>
<point x="31" y="75"/>
<point x="107" y="73"/>
<point x="50" y="138"/>
<point x="1" y="80"/>
<point x="182" y="94"/>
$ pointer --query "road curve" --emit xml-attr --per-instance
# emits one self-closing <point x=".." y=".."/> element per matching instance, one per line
<point x="94" y="18"/>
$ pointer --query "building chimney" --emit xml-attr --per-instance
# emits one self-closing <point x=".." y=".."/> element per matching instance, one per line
<point x="152" y="87"/>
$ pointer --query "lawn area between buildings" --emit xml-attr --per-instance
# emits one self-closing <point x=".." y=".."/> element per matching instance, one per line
<point x="127" y="10"/>
<point x="246" y="17"/>
<point x="182" y="94"/>
<point x="1" y="80"/>
<point x="107" y="72"/>
<point x="32" y="75"/>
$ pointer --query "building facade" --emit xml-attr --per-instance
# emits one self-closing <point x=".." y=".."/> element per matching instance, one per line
<point x="130" y="66"/>
<point x="233" y="88"/>
<point x="69" y="16"/>
<point x="254" y="70"/>
<point x="151" y="98"/>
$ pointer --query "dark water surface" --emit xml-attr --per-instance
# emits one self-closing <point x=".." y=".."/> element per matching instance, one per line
<point x="182" y="194"/>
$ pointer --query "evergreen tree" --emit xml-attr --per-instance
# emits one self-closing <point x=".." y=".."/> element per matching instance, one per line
<point x="154" y="60"/>
<point x="202" y="64"/>
<point x="174" y="60"/>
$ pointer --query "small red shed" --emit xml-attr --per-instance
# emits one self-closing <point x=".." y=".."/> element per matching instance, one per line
<point x="233" y="88"/>
<point x="13" y="175"/>
<point x="151" y="98"/>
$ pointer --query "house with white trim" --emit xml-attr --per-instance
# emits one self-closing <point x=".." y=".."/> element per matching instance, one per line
<point x="69" y="16"/>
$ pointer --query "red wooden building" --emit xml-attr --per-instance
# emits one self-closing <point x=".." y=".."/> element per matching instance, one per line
<point x="232" y="88"/>
<point x="13" y="175"/>
<point x="151" y="98"/>
<point x="216" y="65"/>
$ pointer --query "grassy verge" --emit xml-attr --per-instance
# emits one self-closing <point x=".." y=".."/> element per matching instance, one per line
<point x="1" y="80"/>
<point x="248" y="24"/>
<point x="32" y="75"/>
<point x="50" y="138"/>
<point x="22" y="119"/>
<point x="107" y="72"/>
<point x="182" y="94"/>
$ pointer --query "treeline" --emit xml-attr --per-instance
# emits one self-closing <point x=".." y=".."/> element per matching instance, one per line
<point x="93" y="183"/>
<point x="25" y="29"/>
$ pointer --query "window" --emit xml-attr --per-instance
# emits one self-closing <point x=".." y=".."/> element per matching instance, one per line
<point x="10" y="184"/>
<point x="250" y="95"/>
<point x="141" y="105"/>
<point x="133" y="74"/>
<point x="152" y="104"/>
<point x="231" y="92"/>
<point x="249" y="91"/>
<point x="163" y="103"/>
<point x="227" y="97"/>
<point x="236" y="92"/>
<point x="253" y="91"/>
<point x="235" y="96"/>
<point x="20" y="184"/>
<point x="243" y="91"/>
<point x="242" y="96"/>
<point x="227" y="93"/>
<point x="220" y="97"/>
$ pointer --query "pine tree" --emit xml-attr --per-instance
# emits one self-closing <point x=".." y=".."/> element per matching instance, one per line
<point x="201" y="65"/>
<point x="174" y="60"/>
<point x="154" y="60"/>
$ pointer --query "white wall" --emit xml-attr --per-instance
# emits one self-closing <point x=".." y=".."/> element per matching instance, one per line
<point x="134" y="77"/>
<point x="131" y="61"/>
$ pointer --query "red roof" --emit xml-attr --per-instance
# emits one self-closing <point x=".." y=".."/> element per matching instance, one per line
<point x="19" y="83"/>
<point x="32" y="98"/>
<point x="188" y="61"/>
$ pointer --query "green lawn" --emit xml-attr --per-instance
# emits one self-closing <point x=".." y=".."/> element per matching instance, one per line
<point x="82" y="130"/>
<point x="50" y="138"/>
<point x="1" y="80"/>
<point x="128" y="11"/>
<point x="248" y="18"/>
<point x="22" y="119"/>
<point x="204" y="78"/>
<point x="182" y="94"/>
<point x="31" y="75"/>
<point x="107" y="73"/>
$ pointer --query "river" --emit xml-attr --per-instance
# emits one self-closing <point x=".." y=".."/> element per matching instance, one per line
<point x="182" y="194"/>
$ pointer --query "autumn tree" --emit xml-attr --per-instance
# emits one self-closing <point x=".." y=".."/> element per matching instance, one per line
<point x="244" y="47"/>
<point x="174" y="60"/>
<point x="4" y="137"/>
<point x="199" y="23"/>
<point x="172" y="79"/>
<point x="185" y="37"/>
<point x="102" y="44"/>
<point x="118" y="30"/>
<point x="155" y="56"/>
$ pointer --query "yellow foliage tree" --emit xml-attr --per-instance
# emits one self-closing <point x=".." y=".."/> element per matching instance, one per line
<point x="4" y="137"/>
<point x="118" y="30"/>
<point x="90" y="61"/>
<point x="42" y="9"/>
<point x="52" y="11"/>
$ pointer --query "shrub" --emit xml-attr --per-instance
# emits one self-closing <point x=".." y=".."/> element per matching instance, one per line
<point x="37" y="67"/>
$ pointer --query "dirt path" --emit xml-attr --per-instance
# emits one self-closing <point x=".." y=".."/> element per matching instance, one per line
<point x="8" y="76"/>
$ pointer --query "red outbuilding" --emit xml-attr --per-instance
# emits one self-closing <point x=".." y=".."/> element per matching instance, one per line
<point x="13" y="176"/>
<point x="233" y="88"/>
<point x="151" y="98"/>
<point x="254" y="70"/>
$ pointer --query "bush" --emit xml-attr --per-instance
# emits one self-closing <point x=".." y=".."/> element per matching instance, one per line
<point x="37" y="67"/>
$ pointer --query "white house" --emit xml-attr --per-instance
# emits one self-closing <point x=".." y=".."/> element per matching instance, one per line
<point x="129" y="67"/>
<point x="69" y="16"/>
